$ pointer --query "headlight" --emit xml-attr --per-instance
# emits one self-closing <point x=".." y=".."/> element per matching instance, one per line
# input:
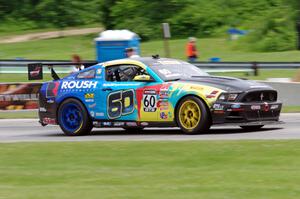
<point x="224" y="97"/>
<point x="232" y="96"/>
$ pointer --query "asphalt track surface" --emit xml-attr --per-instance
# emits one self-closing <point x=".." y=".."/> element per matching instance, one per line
<point x="29" y="130"/>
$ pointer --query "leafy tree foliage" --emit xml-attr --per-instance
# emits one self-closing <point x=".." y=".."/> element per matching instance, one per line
<point x="271" y="22"/>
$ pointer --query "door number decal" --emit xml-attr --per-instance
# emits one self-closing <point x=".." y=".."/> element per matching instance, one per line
<point x="120" y="103"/>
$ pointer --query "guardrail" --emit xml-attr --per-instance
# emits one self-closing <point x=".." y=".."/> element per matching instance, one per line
<point x="246" y="66"/>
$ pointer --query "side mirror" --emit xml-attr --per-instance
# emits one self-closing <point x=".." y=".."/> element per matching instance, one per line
<point x="143" y="78"/>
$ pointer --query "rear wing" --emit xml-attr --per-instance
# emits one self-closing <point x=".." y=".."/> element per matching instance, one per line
<point x="35" y="70"/>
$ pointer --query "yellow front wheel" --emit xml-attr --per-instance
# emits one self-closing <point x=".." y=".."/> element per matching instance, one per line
<point x="192" y="116"/>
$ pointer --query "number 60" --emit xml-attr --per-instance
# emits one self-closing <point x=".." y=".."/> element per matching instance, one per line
<point x="120" y="103"/>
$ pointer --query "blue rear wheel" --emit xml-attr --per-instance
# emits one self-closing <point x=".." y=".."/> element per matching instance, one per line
<point x="73" y="118"/>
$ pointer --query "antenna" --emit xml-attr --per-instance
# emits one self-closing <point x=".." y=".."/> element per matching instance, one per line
<point x="155" y="56"/>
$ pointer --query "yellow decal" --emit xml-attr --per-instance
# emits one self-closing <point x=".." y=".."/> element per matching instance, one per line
<point x="89" y="95"/>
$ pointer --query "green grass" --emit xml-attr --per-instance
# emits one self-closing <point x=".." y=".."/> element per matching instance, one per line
<point x="203" y="169"/>
<point x="60" y="48"/>
<point x="291" y="109"/>
<point x="63" y="48"/>
<point x="217" y="47"/>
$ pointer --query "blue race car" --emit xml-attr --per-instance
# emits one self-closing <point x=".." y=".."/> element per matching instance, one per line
<point x="154" y="92"/>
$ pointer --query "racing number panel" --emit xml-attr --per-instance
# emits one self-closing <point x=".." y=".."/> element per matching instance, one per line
<point x="120" y="103"/>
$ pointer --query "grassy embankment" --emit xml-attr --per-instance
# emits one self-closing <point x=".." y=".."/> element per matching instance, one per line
<point x="194" y="169"/>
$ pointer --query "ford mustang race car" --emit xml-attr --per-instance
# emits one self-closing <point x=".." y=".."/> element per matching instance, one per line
<point x="154" y="92"/>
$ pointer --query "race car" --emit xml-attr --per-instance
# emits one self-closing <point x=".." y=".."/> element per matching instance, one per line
<point x="154" y="92"/>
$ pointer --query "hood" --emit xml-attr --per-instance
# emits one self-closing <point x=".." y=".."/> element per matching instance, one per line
<point x="228" y="83"/>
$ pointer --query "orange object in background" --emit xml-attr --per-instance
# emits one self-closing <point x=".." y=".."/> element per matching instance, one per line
<point x="191" y="50"/>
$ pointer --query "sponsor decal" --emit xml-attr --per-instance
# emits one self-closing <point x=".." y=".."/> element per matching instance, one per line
<point x="92" y="105"/>
<point x="218" y="107"/>
<point x="131" y="124"/>
<point x="163" y="91"/>
<point x="99" y="71"/>
<point x="150" y="92"/>
<point x="79" y="84"/>
<point x="35" y="71"/>
<point x="169" y="62"/>
<point x="50" y="101"/>
<point x="89" y="97"/>
<point x="164" y="94"/>
<point x="162" y="103"/>
<point x="165" y="71"/>
<point x="144" y="123"/>
<point x="213" y="94"/>
<point x="70" y="77"/>
<point x="96" y="124"/>
<point x="52" y="89"/>
<point x="196" y="88"/>
<point x="235" y="106"/>
<point x="163" y="115"/>
<point x="42" y="109"/>
<point x="255" y="107"/>
<point x="273" y="107"/>
<point x="106" y="124"/>
<point x="99" y="114"/>
<point x="47" y="120"/>
<point x="219" y="111"/>
<point x="164" y="108"/>
<point x="92" y="113"/>
<point x="163" y="100"/>
<point x="173" y="75"/>
<point x="117" y="124"/>
<point x="150" y="101"/>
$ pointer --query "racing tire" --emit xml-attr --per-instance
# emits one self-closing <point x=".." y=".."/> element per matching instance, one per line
<point x="252" y="128"/>
<point x="192" y="116"/>
<point x="73" y="118"/>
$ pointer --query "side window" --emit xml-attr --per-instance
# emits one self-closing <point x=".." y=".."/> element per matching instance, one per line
<point x="89" y="74"/>
<point x="122" y="73"/>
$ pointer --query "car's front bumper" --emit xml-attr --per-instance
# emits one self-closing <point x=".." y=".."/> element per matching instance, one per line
<point x="260" y="113"/>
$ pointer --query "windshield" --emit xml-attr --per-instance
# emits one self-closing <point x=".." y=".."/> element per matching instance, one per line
<point x="171" y="69"/>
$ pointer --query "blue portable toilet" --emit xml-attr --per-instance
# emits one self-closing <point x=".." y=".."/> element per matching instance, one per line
<point x="111" y="44"/>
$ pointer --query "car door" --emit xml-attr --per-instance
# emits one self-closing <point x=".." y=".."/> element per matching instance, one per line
<point x="127" y="98"/>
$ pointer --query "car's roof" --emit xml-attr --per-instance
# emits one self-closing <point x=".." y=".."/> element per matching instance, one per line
<point x="148" y="61"/>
